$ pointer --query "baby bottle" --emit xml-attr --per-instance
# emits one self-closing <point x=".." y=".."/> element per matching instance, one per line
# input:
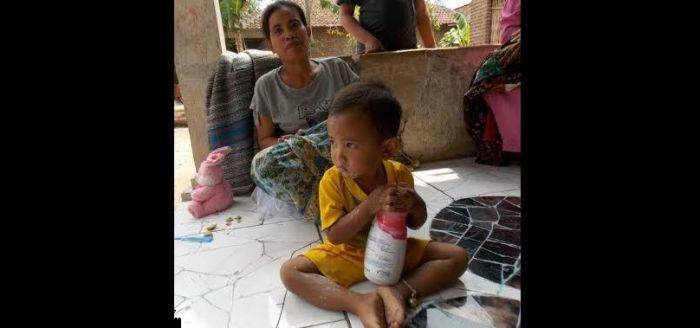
<point x="386" y="248"/>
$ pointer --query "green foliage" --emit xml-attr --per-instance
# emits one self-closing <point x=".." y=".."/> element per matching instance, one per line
<point x="232" y="11"/>
<point x="458" y="36"/>
<point x="433" y="19"/>
<point x="330" y="5"/>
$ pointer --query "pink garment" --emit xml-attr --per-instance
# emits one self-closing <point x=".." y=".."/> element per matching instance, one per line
<point x="506" y="105"/>
<point x="510" y="19"/>
<point x="506" y="110"/>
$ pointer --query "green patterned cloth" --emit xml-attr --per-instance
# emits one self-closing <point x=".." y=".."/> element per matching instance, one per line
<point x="290" y="171"/>
<point x="489" y="69"/>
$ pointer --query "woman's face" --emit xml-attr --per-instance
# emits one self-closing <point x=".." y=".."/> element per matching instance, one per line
<point x="289" y="38"/>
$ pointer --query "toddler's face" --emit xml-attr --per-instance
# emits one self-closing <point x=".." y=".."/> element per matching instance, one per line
<point x="356" y="147"/>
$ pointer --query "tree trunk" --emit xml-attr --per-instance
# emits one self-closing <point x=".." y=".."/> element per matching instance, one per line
<point x="240" y="43"/>
<point x="233" y="27"/>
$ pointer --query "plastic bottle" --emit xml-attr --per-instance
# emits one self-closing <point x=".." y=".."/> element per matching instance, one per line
<point x="385" y="251"/>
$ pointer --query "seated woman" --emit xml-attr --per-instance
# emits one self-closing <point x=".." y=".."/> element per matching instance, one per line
<point x="290" y="105"/>
<point x="492" y="103"/>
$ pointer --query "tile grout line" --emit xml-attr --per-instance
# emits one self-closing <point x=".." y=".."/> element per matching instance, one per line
<point x="434" y="187"/>
<point x="233" y="300"/>
<point x="321" y="323"/>
<point x="284" y="301"/>
<point x="496" y="192"/>
<point x="239" y="228"/>
<point x="249" y="273"/>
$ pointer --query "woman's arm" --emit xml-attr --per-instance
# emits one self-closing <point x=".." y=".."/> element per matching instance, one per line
<point x="350" y="24"/>
<point x="423" y="22"/>
<point x="266" y="132"/>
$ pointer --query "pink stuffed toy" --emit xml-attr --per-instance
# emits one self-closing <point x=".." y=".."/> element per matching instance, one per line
<point x="213" y="193"/>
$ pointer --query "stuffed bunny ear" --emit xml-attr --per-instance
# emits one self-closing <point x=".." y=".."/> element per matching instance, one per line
<point x="217" y="155"/>
<point x="225" y="150"/>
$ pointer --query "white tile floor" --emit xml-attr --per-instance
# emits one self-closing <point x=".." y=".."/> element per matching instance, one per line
<point x="233" y="281"/>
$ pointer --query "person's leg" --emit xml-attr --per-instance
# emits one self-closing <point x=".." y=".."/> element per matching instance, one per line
<point x="441" y="265"/>
<point x="303" y="278"/>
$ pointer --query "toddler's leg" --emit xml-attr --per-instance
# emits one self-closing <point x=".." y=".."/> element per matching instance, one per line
<point x="302" y="278"/>
<point x="442" y="264"/>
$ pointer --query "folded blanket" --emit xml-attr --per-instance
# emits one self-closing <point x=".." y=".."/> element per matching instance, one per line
<point x="229" y="118"/>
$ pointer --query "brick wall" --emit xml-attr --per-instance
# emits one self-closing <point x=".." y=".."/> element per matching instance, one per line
<point x="331" y="44"/>
<point x="480" y="16"/>
<point x="327" y="43"/>
<point x="465" y="10"/>
<point x="496" y="7"/>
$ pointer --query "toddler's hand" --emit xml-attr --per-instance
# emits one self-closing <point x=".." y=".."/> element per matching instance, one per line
<point x="404" y="198"/>
<point x="396" y="198"/>
<point x="380" y="198"/>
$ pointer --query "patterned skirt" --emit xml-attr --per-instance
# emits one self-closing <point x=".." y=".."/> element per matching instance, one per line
<point x="498" y="69"/>
<point x="290" y="171"/>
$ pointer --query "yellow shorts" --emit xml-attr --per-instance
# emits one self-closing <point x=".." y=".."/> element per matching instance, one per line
<point x="347" y="267"/>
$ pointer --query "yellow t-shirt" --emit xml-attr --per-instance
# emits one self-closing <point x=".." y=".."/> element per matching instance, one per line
<point x="344" y="263"/>
<point x="338" y="195"/>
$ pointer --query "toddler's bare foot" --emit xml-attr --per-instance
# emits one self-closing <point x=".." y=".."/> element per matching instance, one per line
<point x="371" y="311"/>
<point x="394" y="306"/>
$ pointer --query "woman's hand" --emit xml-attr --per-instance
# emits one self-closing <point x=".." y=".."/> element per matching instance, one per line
<point x="300" y="132"/>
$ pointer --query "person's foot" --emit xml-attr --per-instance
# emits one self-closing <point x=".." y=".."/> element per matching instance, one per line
<point x="371" y="311"/>
<point x="394" y="306"/>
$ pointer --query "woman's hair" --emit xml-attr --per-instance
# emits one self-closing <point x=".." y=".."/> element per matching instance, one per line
<point x="271" y="8"/>
<point x="373" y="99"/>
